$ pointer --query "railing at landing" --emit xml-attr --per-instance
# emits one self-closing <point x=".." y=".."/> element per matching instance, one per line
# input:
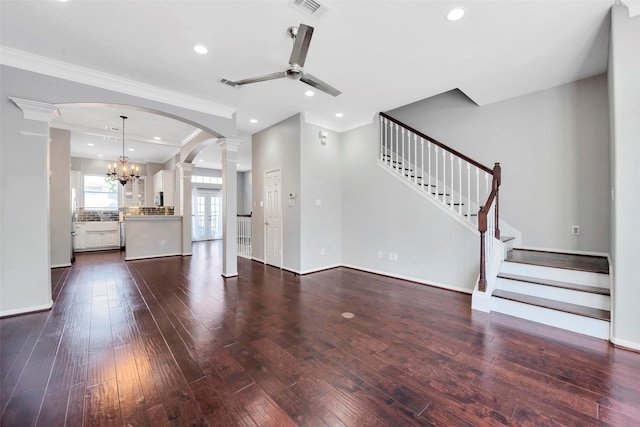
<point x="244" y="236"/>
<point x="458" y="183"/>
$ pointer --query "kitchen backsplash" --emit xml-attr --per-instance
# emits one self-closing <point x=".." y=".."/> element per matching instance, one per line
<point x="83" y="215"/>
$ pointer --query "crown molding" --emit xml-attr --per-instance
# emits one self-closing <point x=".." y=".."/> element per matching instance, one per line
<point x="63" y="70"/>
<point x="36" y="110"/>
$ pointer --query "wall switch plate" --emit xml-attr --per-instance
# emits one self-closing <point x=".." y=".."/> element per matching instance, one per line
<point x="390" y="256"/>
<point x="575" y="229"/>
<point x="395" y="256"/>
<point x="322" y="251"/>
<point x="318" y="202"/>
<point x="261" y="203"/>
<point x="380" y="254"/>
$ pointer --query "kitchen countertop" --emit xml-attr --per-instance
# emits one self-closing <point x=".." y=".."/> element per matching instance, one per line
<point x="152" y="217"/>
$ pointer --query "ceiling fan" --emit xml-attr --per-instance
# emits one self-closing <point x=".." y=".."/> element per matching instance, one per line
<point x="302" y="37"/>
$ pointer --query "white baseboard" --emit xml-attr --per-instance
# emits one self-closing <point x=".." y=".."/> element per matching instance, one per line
<point x="187" y="253"/>
<point x="228" y="276"/>
<point x="66" y="264"/>
<point x="152" y="256"/>
<point x="411" y="279"/>
<point x="315" y="270"/>
<point x="258" y="260"/>
<point x="25" y="310"/>
<point x="624" y="343"/>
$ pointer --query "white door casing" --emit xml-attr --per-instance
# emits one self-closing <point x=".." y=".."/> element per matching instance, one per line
<point x="273" y="218"/>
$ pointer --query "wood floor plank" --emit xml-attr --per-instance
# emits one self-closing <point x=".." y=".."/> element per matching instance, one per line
<point x="171" y="342"/>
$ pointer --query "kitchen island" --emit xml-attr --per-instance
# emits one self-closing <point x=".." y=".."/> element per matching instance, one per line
<point x="152" y="236"/>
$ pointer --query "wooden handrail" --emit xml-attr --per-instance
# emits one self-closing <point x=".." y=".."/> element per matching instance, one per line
<point x="438" y="143"/>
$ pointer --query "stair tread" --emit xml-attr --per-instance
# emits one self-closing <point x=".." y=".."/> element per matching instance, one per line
<point x="589" y="263"/>
<point x="556" y="284"/>
<point x="580" y="310"/>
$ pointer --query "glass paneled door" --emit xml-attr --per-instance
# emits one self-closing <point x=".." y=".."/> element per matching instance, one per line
<point x="207" y="213"/>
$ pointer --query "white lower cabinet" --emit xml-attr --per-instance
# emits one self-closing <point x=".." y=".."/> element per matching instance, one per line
<point x="100" y="235"/>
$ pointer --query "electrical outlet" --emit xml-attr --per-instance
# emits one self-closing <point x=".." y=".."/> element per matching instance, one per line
<point x="321" y="251"/>
<point x="575" y="229"/>
<point x="390" y="256"/>
<point x="380" y="254"/>
<point x="163" y="242"/>
<point x="395" y="256"/>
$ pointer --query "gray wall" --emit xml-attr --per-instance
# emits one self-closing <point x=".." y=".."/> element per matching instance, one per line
<point x="25" y="281"/>
<point x="381" y="214"/>
<point x="554" y="149"/>
<point x="624" y="69"/>
<point x="60" y="190"/>
<point x="278" y="147"/>
<point x="244" y="193"/>
<point x="320" y="180"/>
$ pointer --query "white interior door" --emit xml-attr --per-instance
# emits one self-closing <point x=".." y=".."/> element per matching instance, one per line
<point x="207" y="215"/>
<point x="273" y="218"/>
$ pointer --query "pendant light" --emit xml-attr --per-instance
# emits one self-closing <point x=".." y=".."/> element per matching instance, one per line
<point x="120" y="171"/>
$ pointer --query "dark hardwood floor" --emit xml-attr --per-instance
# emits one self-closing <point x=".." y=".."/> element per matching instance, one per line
<point x="170" y="342"/>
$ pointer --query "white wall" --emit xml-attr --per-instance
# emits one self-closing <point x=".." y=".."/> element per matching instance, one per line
<point x="320" y="180"/>
<point x="272" y="148"/>
<point x="553" y="146"/>
<point x="60" y="206"/>
<point x="380" y="213"/>
<point x="624" y="80"/>
<point x="25" y="275"/>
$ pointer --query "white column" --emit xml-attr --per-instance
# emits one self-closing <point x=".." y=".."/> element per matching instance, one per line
<point x="184" y="177"/>
<point x="229" y="206"/>
<point x="25" y="270"/>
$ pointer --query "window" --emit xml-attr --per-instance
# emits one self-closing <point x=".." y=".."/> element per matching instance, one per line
<point x="100" y="193"/>
<point x="199" y="179"/>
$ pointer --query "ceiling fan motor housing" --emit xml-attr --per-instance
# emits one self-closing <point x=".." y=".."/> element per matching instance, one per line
<point x="294" y="72"/>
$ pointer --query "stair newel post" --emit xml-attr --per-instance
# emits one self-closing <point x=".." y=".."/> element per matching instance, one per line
<point x="482" y="228"/>
<point x="497" y="180"/>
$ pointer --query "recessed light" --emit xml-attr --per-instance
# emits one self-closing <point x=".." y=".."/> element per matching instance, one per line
<point x="455" y="14"/>
<point x="90" y="144"/>
<point x="200" y="49"/>
<point x="201" y="161"/>
<point x="132" y="149"/>
<point x="253" y="121"/>
<point x="100" y="155"/>
<point x="338" y="115"/>
<point x="309" y="93"/>
<point x="157" y="138"/>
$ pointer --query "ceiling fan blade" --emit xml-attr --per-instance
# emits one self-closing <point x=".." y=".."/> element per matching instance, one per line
<point x="301" y="45"/>
<point x="264" y="78"/>
<point x="319" y="84"/>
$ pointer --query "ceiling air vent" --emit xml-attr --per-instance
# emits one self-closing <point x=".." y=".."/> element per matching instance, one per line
<point x="309" y="7"/>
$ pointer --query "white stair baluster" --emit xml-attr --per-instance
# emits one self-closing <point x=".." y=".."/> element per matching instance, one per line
<point x="422" y="157"/>
<point x="435" y="150"/>
<point x="468" y="191"/>
<point x="478" y="188"/>
<point x="397" y="138"/>
<point x="388" y="150"/>
<point x="429" y="152"/>
<point x="453" y="197"/>
<point x="402" y="169"/>
<point x="415" y="159"/>
<point x="459" y="186"/>
<point x="444" y="176"/>
<point x="486" y="185"/>
<point x="382" y="135"/>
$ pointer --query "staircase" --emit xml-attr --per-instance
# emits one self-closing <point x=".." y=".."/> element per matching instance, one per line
<point x="567" y="291"/>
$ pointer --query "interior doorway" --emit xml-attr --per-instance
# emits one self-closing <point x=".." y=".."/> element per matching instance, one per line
<point x="207" y="215"/>
<point x="273" y="217"/>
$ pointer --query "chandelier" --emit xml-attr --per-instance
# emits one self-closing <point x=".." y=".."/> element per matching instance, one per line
<point x="120" y="171"/>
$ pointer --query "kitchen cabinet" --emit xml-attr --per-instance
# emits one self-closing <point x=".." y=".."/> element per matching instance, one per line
<point x="164" y="181"/>
<point x="133" y="193"/>
<point x="96" y="235"/>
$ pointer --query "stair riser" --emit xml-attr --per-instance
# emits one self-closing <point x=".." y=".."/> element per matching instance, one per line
<point x="559" y="294"/>
<point x="558" y="274"/>
<point x="571" y="322"/>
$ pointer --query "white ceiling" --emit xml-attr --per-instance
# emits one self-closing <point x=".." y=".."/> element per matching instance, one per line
<point x="380" y="54"/>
